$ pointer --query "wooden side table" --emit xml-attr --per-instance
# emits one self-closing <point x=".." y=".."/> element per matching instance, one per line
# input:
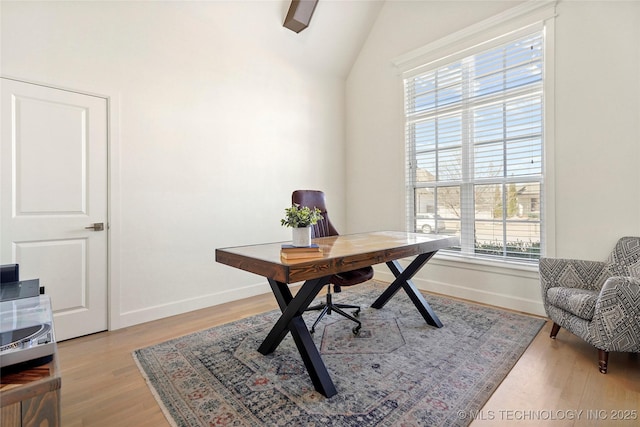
<point x="30" y="394"/>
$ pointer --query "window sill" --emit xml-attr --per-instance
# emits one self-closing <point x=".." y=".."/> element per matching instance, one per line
<point x="511" y="268"/>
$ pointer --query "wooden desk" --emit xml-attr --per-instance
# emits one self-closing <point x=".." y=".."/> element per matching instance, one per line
<point x="30" y="394"/>
<point x="340" y="254"/>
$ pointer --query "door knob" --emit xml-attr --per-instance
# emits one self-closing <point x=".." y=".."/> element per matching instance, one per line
<point x="97" y="226"/>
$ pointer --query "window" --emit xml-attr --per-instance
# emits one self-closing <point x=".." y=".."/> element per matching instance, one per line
<point x="474" y="145"/>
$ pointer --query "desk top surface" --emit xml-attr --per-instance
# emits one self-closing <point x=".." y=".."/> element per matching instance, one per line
<point x="339" y="254"/>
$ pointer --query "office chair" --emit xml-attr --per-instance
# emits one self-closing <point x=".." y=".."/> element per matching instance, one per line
<point x="324" y="228"/>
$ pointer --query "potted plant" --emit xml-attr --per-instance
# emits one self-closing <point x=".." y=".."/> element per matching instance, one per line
<point x="300" y="219"/>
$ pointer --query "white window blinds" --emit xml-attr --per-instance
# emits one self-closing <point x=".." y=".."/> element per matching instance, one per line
<point x="474" y="142"/>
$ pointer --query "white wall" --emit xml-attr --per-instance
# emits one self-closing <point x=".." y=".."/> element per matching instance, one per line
<point x="596" y="153"/>
<point x="220" y="113"/>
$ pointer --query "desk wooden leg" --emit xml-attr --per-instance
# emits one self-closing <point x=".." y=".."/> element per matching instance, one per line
<point x="403" y="280"/>
<point x="291" y="321"/>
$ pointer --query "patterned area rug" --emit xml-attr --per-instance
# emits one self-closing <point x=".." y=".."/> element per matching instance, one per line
<point x="398" y="372"/>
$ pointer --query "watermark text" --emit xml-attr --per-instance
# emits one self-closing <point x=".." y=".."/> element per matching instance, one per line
<point x="550" y="414"/>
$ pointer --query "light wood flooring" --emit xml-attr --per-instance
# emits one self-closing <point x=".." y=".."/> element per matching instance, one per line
<point x="552" y="382"/>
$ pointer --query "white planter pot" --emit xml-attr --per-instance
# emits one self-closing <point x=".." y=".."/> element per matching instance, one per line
<point x="301" y="236"/>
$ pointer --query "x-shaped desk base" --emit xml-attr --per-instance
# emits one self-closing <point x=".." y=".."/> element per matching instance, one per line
<point x="292" y="309"/>
<point x="403" y="280"/>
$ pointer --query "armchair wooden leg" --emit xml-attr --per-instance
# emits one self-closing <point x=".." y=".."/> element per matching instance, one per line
<point x="603" y="359"/>
<point x="554" y="330"/>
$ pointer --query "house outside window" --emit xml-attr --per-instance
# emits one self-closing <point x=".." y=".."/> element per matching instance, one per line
<point x="474" y="148"/>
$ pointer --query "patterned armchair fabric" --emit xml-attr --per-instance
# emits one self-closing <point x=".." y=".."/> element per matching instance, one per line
<point x="597" y="301"/>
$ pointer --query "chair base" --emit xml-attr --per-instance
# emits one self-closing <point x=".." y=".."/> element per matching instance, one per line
<point x="603" y="356"/>
<point x="329" y="307"/>
<point x="554" y="330"/>
<point x="603" y="361"/>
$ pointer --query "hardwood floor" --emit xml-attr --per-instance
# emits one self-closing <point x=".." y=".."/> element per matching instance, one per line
<point x="557" y="382"/>
<point x="551" y="383"/>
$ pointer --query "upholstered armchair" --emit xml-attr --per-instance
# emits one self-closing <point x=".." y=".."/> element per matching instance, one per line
<point x="597" y="301"/>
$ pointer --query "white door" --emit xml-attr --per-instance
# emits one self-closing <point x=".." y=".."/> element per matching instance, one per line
<point x="53" y="177"/>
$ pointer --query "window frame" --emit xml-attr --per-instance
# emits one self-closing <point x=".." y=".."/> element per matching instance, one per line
<point x="493" y="32"/>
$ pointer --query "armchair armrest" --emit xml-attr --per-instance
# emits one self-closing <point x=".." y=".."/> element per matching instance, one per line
<point x="572" y="273"/>
<point x="616" y="320"/>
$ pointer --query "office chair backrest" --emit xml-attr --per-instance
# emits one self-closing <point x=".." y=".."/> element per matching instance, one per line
<point x="323" y="228"/>
<point x="314" y="198"/>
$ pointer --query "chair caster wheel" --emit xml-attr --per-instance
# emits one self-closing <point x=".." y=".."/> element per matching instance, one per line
<point x="356" y="313"/>
<point x="312" y="330"/>
<point x="356" y="330"/>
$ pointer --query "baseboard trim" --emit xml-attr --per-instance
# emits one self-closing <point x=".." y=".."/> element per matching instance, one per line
<point x="161" y="311"/>
<point x="510" y="302"/>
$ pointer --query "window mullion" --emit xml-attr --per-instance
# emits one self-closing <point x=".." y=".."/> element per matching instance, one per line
<point x="505" y="203"/>
<point x="466" y="191"/>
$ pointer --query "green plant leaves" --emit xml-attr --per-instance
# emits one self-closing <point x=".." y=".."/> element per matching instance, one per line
<point x="297" y="216"/>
